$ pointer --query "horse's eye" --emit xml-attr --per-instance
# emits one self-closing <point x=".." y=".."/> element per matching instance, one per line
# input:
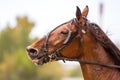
<point x="64" y="32"/>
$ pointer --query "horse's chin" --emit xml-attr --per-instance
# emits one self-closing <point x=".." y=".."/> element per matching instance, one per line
<point x="42" y="60"/>
<point x="38" y="61"/>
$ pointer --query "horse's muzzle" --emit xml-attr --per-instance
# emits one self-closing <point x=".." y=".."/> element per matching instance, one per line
<point x="32" y="52"/>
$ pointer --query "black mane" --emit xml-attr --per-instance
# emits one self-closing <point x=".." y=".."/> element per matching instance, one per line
<point x="107" y="44"/>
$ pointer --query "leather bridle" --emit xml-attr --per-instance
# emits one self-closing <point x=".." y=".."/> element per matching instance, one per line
<point x="56" y="55"/>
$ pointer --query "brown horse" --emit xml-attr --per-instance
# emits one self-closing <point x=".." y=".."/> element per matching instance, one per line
<point x="82" y="41"/>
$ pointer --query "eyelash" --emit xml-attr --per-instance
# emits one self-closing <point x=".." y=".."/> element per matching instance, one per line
<point x="63" y="32"/>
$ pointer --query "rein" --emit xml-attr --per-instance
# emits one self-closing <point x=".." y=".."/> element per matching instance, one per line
<point x="89" y="62"/>
<point x="56" y="55"/>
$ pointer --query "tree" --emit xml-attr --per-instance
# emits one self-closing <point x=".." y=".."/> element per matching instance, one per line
<point x="14" y="62"/>
<point x="12" y="39"/>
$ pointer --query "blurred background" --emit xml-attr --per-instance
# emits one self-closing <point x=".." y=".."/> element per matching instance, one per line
<point x="24" y="21"/>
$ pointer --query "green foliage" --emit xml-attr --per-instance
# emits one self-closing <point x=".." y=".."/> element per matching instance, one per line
<point x="16" y="67"/>
<point x="11" y="39"/>
<point x="76" y="72"/>
<point x="49" y="70"/>
<point x="14" y="62"/>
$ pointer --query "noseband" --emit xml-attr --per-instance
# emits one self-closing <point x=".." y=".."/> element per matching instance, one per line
<point x="56" y="55"/>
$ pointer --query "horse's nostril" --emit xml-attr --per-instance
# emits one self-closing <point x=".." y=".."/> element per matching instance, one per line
<point x="32" y="51"/>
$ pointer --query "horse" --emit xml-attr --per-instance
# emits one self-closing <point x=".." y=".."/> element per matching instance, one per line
<point x="83" y="41"/>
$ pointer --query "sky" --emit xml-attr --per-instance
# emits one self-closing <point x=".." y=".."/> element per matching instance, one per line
<point x="48" y="14"/>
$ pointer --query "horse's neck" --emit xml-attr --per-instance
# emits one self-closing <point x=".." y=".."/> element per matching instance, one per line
<point x="96" y="53"/>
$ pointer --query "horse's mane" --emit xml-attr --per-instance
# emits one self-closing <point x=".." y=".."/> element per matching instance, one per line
<point x="105" y="42"/>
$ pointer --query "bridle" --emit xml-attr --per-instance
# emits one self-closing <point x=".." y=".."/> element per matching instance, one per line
<point x="56" y="55"/>
<point x="71" y="36"/>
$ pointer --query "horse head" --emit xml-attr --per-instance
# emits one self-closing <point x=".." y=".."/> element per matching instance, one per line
<point x="63" y="41"/>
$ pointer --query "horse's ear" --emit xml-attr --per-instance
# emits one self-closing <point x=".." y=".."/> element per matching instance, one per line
<point x="85" y="11"/>
<point x="78" y="13"/>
